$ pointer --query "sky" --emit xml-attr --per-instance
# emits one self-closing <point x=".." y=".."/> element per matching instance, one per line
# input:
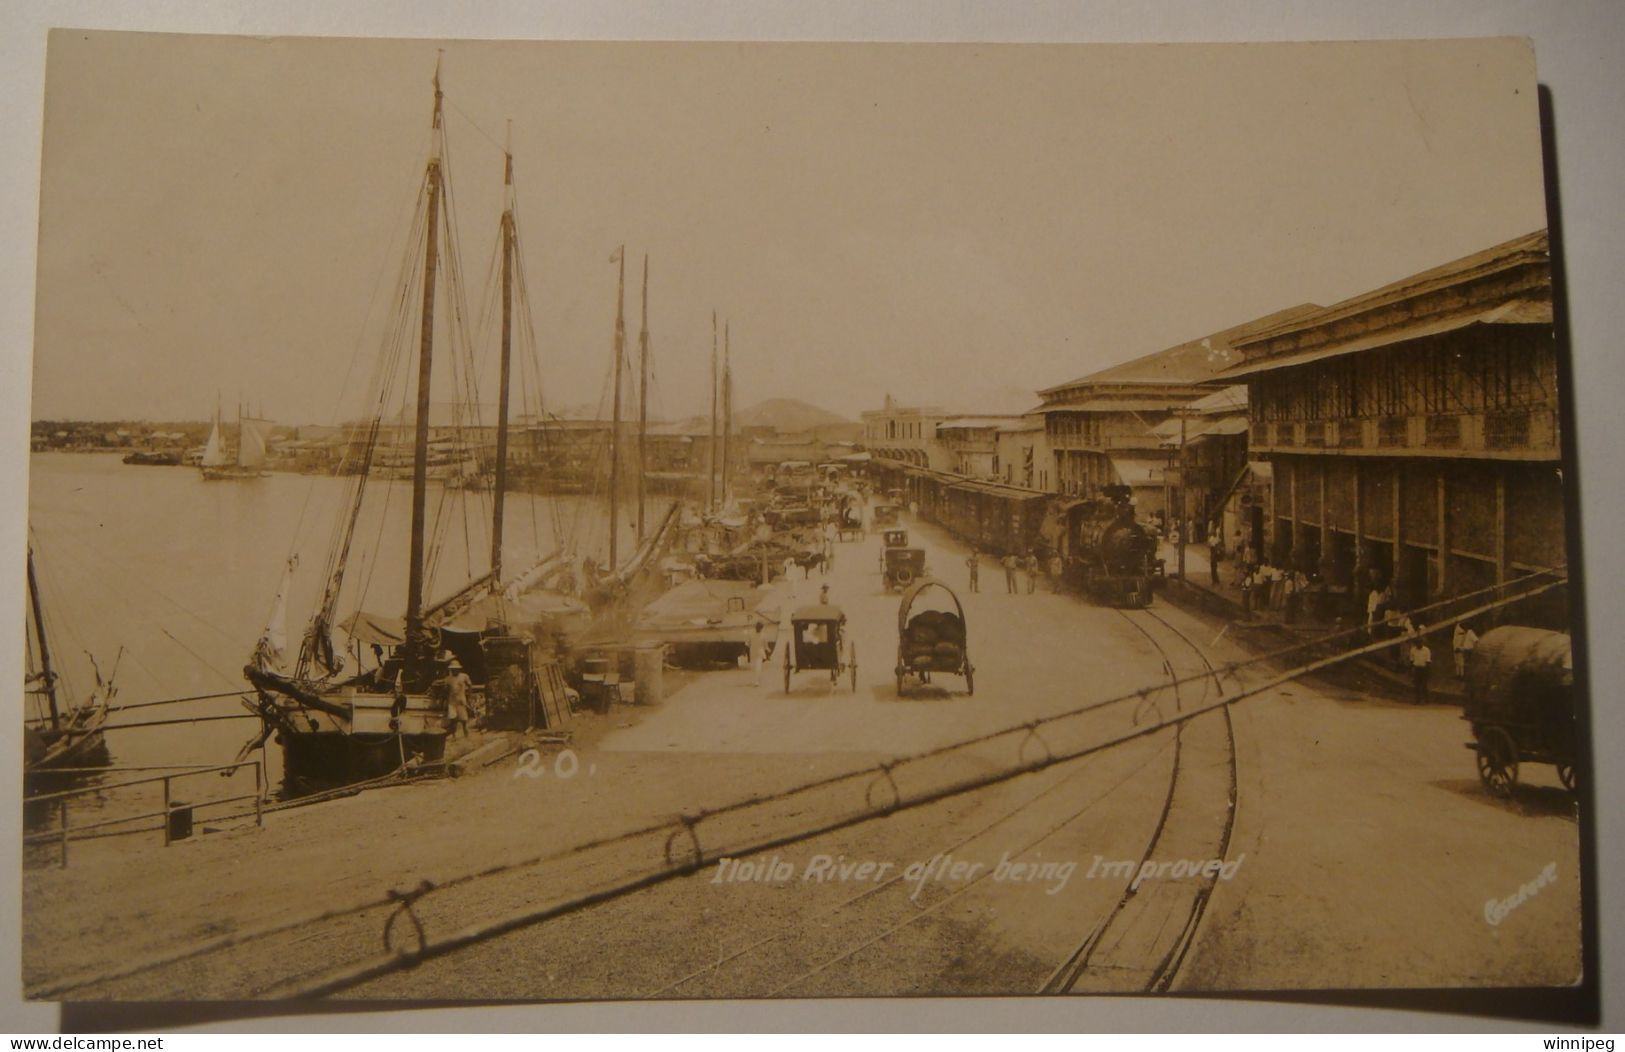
<point x="958" y="225"/>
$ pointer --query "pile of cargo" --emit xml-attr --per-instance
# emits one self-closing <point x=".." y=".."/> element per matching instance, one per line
<point x="934" y="639"/>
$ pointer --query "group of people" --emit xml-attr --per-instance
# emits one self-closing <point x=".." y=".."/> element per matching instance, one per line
<point x="1015" y="567"/>
<point x="1384" y="618"/>
<point x="1266" y="587"/>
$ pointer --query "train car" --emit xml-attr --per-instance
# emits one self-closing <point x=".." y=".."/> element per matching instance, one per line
<point x="1106" y="553"/>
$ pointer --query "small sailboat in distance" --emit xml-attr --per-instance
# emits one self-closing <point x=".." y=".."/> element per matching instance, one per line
<point x="249" y="463"/>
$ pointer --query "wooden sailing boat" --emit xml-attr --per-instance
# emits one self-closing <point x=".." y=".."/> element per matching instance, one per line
<point x="394" y="717"/>
<point x="249" y="462"/>
<point x="68" y="733"/>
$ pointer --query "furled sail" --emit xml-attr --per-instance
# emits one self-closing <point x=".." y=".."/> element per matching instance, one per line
<point x="271" y="653"/>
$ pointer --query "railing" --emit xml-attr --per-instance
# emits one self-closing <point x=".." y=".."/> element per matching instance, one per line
<point x="64" y="831"/>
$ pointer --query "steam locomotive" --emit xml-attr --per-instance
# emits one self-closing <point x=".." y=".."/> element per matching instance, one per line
<point x="1106" y="553"/>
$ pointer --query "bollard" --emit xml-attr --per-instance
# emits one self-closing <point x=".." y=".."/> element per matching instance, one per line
<point x="649" y="666"/>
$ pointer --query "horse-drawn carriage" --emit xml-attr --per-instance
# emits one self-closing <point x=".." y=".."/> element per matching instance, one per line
<point x="932" y="640"/>
<point x="849" y="523"/>
<point x="1520" y="704"/>
<point x="818" y="642"/>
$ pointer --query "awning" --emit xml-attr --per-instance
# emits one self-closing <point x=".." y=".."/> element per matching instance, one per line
<point x="1200" y="429"/>
<point x="1517" y="312"/>
<point x="1132" y="471"/>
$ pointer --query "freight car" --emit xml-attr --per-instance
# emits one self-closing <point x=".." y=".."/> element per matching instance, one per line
<point x="1106" y="553"/>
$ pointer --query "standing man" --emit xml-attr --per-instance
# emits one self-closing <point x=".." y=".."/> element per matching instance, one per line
<point x="1010" y="563"/>
<point x="1214" y="555"/>
<point x="1421" y="659"/>
<point x="1055" y="568"/>
<point x="756" y="651"/>
<point x="973" y="564"/>
<point x="1462" y="642"/>
<point x="457" y="684"/>
<point x="1032" y="571"/>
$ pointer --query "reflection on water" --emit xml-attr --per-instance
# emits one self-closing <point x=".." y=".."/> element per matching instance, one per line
<point x="181" y="574"/>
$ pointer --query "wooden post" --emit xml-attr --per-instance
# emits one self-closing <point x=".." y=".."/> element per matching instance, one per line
<point x="259" y="796"/>
<point x="1501" y="574"/>
<point x="1399" y="533"/>
<point x="1443" y="498"/>
<point x="1358" y="584"/>
<point x="166" y="810"/>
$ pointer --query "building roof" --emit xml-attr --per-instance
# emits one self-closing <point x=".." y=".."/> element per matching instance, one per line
<point x="1531" y="248"/>
<point x="1505" y="284"/>
<point x="977" y="422"/>
<point x="1193" y="362"/>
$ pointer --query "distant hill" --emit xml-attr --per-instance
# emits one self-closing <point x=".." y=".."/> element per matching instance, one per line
<point x="785" y="415"/>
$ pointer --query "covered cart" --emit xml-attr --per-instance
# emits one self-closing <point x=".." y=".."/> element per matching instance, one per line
<point x="931" y="635"/>
<point x="819" y="642"/>
<point x="895" y="537"/>
<point x="1520" y="704"/>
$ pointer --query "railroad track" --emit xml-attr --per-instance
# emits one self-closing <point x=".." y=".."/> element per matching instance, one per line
<point x="1141" y="942"/>
<point x="1203" y="764"/>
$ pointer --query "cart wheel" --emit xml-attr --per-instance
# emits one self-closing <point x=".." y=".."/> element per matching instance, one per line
<point x="970" y="680"/>
<point x="1567" y="775"/>
<point x="1497" y="761"/>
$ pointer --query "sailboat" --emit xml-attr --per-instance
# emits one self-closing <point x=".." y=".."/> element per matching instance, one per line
<point x="393" y="718"/>
<point x="66" y="733"/>
<point x="250" y="460"/>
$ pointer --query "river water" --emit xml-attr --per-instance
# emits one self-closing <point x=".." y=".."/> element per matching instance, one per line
<point x="182" y="575"/>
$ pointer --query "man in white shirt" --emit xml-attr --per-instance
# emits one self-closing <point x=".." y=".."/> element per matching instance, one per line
<point x="1420" y="659"/>
<point x="1462" y="643"/>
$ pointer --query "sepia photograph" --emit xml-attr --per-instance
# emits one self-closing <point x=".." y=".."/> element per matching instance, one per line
<point x="623" y="521"/>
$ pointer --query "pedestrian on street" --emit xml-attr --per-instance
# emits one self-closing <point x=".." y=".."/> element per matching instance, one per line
<point x="1247" y="594"/>
<point x="1011" y="564"/>
<point x="1055" y="572"/>
<point x="1215" y="555"/>
<point x="756" y="642"/>
<point x="1421" y="658"/>
<point x="1462" y="642"/>
<point x="1032" y="571"/>
<point x="457" y="684"/>
<point x="973" y="564"/>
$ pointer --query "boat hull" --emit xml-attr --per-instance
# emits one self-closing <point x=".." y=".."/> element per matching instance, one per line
<point x="221" y="474"/>
<point x="336" y="758"/>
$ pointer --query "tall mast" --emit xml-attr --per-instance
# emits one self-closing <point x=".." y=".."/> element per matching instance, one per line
<point x="711" y="459"/>
<point x="47" y="676"/>
<point x="643" y="401"/>
<point x="416" y="642"/>
<point x="501" y="480"/>
<point x="727" y="412"/>
<point x="615" y="425"/>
